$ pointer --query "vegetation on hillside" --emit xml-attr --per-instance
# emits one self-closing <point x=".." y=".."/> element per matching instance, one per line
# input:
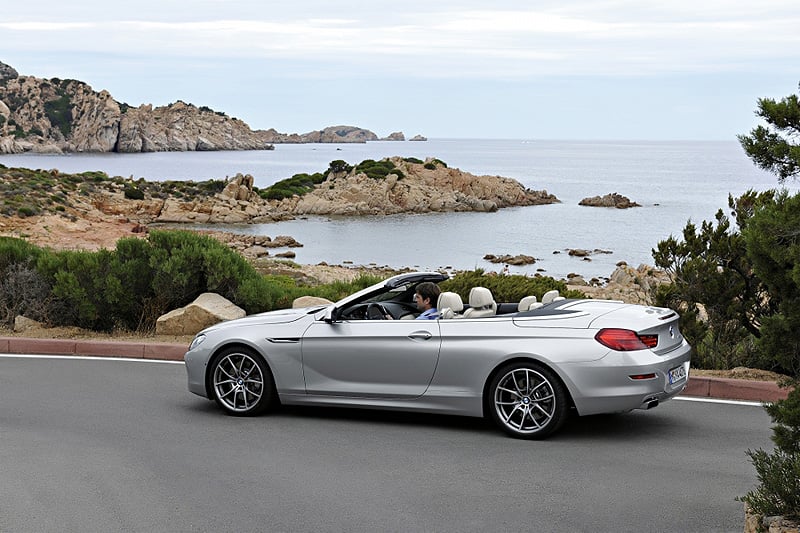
<point x="301" y="184"/>
<point x="26" y="192"/>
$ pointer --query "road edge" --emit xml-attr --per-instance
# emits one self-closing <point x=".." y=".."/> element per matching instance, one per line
<point x="698" y="386"/>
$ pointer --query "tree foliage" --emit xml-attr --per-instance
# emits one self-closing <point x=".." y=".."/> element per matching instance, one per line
<point x="776" y="146"/>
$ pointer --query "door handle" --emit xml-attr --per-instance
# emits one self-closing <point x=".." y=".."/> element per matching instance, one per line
<point x="420" y="335"/>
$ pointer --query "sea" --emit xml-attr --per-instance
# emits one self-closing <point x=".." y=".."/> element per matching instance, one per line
<point x="673" y="181"/>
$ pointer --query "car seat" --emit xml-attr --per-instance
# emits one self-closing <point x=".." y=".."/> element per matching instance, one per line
<point x="449" y="305"/>
<point x="481" y="303"/>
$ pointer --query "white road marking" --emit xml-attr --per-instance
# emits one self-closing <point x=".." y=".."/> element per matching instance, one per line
<point x="717" y="400"/>
<point x="87" y="358"/>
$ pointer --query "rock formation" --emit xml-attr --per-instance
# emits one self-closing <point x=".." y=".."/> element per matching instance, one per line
<point x="516" y="260"/>
<point x="331" y="134"/>
<point x="417" y="190"/>
<point x="609" y="200"/>
<point x="69" y="116"/>
<point x="55" y="115"/>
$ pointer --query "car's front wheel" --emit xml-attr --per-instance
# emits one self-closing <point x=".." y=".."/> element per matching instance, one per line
<point x="528" y="401"/>
<point x="241" y="382"/>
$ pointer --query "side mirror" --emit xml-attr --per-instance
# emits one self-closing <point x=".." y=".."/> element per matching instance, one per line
<point x="331" y="314"/>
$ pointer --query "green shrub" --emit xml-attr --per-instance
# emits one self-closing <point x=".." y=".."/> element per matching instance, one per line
<point x="59" y="113"/>
<point x="506" y="288"/>
<point x="413" y="160"/>
<point x="338" y="166"/>
<point x="299" y="184"/>
<point x="378" y="170"/>
<point x="133" y="193"/>
<point x="778" y="491"/>
<point x="430" y="166"/>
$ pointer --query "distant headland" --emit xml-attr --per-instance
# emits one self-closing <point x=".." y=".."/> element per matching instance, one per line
<point x="65" y="115"/>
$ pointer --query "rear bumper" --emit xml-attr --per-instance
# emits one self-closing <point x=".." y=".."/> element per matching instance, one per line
<point x="605" y="385"/>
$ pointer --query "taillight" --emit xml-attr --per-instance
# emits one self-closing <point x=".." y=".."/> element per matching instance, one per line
<point x="625" y="340"/>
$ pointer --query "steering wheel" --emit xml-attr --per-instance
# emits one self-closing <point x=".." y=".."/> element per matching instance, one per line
<point x="376" y="311"/>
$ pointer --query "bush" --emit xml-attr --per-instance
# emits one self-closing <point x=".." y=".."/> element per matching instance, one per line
<point x="378" y="170"/>
<point x="721" y="299"/>
<point x="130" y="287"/>
<point x="133" y="192"/>
<point x="59" y="113"/>
<point x="299" y="184"/>
<point x="506" y="288"/>
<point x="778" y="491"/>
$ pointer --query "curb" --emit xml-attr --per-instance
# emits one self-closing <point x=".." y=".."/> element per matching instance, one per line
<point x="704" y="387"/>
<point x="135" y="350"/>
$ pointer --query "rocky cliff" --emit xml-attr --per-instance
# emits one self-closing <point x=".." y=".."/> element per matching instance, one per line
<point x="55" y="115"/>
<point x="416" y="188"/>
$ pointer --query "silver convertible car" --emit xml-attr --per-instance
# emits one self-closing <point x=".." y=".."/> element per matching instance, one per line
<point x="525" y="365"/>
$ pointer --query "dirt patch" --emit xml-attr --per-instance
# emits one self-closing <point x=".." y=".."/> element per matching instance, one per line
<point x="752" y="374"/>
<point x="78" y="333"/>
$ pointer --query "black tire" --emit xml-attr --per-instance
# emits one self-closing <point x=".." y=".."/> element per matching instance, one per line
<point x="241" y="382"/>
<point x="527" y="400"/>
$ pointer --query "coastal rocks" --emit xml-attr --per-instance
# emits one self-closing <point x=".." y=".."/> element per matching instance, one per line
<point x="609" y="200"/>
<point x="331" y="134"/>
<point x="396" y="136"/>
<point x="418" y="188"/>
<point x="238" y="203"/>
<point x="55" y="115"/>
<point x="254" y="246"/>
<point x="514" y="260"/>
<point x="184" y="127"/>
<point x="579" y="252"/>
<point x="418" y="138"/>
<point x="628" y="284"/>
<point x="206" y="310"/>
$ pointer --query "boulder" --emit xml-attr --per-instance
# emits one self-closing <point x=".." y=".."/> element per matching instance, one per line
<point x="208" y="309"/>
<point x="609" y="200"/>
<point x="22" y="323"/>
<point x="309" y="301"/>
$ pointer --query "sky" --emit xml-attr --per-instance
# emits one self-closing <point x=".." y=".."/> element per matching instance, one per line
<point x="536" y="69"/>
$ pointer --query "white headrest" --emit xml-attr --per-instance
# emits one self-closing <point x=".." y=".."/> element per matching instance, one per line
<point x="480" y="297"/>
<point x="549" y="296"/>
<point x="450" y="300"/>
<point x="525" y="303"/>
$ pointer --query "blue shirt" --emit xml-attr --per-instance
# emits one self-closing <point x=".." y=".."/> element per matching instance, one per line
<point x="430" y="314"/>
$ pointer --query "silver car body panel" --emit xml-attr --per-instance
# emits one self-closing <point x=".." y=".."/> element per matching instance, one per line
<point x="444" y="365"/>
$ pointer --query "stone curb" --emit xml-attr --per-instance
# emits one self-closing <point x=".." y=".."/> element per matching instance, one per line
<point x="702" y="386"/>
<point x="134" y="350"/>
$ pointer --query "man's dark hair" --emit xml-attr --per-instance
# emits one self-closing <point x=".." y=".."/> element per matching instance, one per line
<point x="429" y="290"/>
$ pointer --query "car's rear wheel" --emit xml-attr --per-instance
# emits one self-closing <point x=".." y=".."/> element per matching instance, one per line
<point x="528" y="400"/>
<point x="241" y="382"/>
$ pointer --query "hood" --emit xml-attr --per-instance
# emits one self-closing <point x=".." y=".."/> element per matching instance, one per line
<point x="280" y="316"/>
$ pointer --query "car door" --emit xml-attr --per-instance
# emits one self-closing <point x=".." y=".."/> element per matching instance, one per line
<point x="370" y="358"/>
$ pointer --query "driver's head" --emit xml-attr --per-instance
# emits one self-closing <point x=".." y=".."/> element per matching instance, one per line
<point x="426" y="295"/>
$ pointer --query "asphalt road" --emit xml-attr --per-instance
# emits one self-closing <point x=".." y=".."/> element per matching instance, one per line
<point x="99" y="445"/>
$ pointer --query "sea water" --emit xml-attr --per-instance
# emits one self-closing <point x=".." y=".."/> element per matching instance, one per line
<point x="673" y="181"/>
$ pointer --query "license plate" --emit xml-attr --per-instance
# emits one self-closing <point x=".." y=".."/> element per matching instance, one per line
<point x="677" y="374"/>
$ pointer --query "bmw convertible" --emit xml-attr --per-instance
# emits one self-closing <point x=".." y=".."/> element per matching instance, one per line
<point x="526" y="365"/>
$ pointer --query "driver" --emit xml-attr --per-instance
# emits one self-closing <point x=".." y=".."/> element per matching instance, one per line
<point x="426" y="296"/>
